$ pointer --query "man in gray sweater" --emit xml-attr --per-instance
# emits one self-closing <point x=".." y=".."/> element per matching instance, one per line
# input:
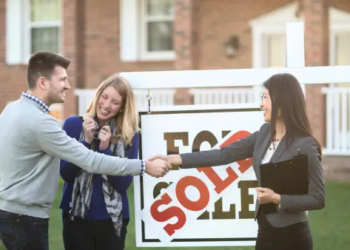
<point x="32" y="144"/>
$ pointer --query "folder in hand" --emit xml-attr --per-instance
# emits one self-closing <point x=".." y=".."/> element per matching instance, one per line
<point x="285" y="177"/>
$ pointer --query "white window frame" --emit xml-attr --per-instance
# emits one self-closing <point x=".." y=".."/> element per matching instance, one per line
<point x="145" y="55"/>
<point x="339" y="22"/>
<point x="40" y="24"/>
<point x="264" y="60"/>
<point x="18" y="31"/>
<point x="337" y="29"/>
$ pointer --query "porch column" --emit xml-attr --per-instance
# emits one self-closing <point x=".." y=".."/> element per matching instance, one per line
<point x="316" y="54"/>
<point x="183" y="37"/>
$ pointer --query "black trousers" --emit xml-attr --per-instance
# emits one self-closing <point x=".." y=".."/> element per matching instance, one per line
<point x="294" y="237"/>
<point x="92" y="235"/>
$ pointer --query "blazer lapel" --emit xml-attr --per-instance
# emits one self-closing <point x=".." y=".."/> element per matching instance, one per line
<point x="279" y="150"/>
<point x="264" y="145"/>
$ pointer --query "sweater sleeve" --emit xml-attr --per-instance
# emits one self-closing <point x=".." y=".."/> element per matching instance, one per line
<point x="54" y="141"/>
<point x="122" y="183"/>
<point x="72" y="126"/>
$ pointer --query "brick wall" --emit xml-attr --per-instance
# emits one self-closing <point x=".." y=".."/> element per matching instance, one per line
<point x="316" y="54"/>
<point x="229" y="18"/>
<point x="71" y="33"/>
<point x="91" y="41"/>
<point x="102" y="56"/>
<point x="184" y="27"/>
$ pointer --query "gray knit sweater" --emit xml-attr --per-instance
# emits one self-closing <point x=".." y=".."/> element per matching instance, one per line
<point x="32" y="143"/>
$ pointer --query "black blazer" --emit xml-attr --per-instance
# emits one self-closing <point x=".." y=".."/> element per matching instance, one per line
<point x="293" y="207"/>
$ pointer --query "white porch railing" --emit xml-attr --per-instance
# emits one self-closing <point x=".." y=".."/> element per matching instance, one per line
<point x="160" y="97"/>
<point x="337" y="121"/>
<point x="225" y="95"/>
<point x="337" y="109"/>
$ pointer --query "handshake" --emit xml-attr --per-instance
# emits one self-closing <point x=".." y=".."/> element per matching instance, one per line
<point x="159" y="165"/>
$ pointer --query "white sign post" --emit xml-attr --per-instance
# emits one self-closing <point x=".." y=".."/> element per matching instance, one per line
<point x="153" y="220"/>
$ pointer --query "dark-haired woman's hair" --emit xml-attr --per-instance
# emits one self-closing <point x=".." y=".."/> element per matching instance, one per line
<point x="287" y="96"/>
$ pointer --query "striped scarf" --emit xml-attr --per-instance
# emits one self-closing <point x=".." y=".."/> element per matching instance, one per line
<point x="83" y="186"/>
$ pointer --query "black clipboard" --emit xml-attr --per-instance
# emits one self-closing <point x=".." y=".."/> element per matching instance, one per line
<point x="288" y="177"/>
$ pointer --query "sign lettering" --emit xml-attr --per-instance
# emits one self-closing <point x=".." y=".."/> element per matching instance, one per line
<point x="196" y="204"/>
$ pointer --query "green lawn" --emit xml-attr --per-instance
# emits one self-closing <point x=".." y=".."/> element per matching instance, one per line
<point x="330" y="227"/>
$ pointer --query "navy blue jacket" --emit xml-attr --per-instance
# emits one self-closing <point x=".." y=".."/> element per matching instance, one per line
<point x="73" y="127"/>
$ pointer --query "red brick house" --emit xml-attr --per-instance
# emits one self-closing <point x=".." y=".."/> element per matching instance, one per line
<point x="108" y="36"/>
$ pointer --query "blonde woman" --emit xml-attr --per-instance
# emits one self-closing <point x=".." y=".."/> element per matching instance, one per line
<point x="95" y="207"/>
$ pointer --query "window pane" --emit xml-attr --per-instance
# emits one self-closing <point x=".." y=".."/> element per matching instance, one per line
<point x="159" y="7"/>
<point x="45" y="10"/>
<point x="276" y="51"/>
<point x="160" y="36"/>
<point x="45" y="39"/>
<point x="342" y="49"/>
<point x="342" y="52"/>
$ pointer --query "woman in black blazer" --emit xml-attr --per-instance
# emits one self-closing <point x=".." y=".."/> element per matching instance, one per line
<point x="286" y="132"/>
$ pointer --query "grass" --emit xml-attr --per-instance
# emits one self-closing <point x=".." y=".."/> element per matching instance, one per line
<point x="330" y="227"/>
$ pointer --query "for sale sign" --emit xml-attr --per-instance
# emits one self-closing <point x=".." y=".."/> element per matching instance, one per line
<point x="208" y="206"/>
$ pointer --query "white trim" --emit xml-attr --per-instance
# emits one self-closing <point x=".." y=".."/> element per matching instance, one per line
<point x="18" y="31"/>
<point x="203" y="107"/>
<point x="145" y="55"/>
<point x="27" y="41"/>
<point x="129" y="30"/>
<point x="51" y="24"/>
<point x="249" y="77"/>
<point x="14" y="32"/>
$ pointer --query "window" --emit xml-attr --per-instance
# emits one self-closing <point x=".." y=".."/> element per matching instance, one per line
<point x="44" y="25"/>
<point x="342" y="48"/>
<point x="32" y="25"/>
<point x="341" y="57"/>
<point x="276" y="51"/>
<point x="340" y="51"/>
<point x="157" y="20"/>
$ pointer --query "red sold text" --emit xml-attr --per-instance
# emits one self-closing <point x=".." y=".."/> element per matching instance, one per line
<point x="204" y="194"/>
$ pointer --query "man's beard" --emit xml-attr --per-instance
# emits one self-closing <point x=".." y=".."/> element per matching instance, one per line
<point x="55" y="98"/>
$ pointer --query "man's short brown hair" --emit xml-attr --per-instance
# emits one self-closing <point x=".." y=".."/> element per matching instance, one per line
<point x="42" y="64"/>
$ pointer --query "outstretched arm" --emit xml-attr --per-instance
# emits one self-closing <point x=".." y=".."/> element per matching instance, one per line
<point x="236" y="151"/>
<point x="239" y="150"/>
<point x="54" y="141"/>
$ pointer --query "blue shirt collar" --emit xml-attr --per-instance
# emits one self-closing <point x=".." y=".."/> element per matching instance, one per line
<point x="45" y="108"/>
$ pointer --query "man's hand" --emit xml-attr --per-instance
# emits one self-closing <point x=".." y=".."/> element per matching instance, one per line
<point x="105" y="137"/>
<point x="157" y="168"/>
<point x="174" y="160"/>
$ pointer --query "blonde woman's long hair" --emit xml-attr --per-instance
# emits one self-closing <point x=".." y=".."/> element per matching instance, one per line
<point x="127" y="121"/>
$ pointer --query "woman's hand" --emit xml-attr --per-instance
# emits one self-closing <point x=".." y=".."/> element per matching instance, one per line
<point x="266" y="195"/>
<point x="105" y="137"/>
<point x="174" y="160"/>
<point x="89" y="128"/>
